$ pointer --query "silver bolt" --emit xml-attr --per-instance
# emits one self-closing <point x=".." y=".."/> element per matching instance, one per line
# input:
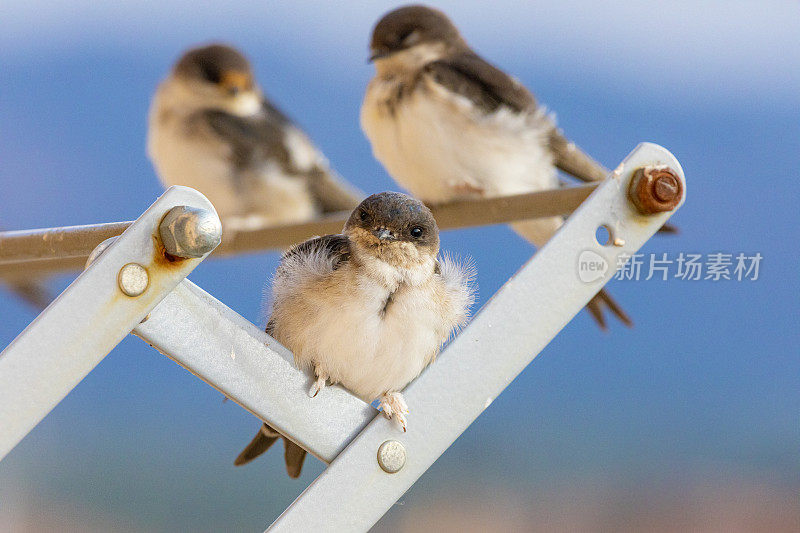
<point x="190" y="232"/>
<point x="133" y="279"/>
<point x="392" y="456"/>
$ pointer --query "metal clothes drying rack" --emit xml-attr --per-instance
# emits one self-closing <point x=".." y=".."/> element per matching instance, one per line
<point x="137" y="284"/>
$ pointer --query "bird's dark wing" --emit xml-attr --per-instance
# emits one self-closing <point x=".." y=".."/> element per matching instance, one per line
<point x="489" y="88"/>
<point x="270" y="329"/>
<point x="334" y="248"/>
<point x="486" y="86"/>
<point x="302" y="261"/>
<point x="252" y="140"/>
<point x="262" y="138"/>
<point x="307" y="261"/>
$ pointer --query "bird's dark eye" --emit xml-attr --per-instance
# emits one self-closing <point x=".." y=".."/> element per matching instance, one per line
<point x="416" y="232"/>
<point x="233" y="90"/>
<point x="363" y="215"/>
<point x="210" y="75"/>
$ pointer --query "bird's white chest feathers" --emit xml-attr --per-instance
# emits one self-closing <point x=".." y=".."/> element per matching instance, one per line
<point x="341" y="323"/>
<point x="440" y="147"/>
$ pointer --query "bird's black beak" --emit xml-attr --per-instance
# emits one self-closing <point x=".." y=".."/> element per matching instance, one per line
<point x="384" y="234"/>
<point x="378" y="54"/>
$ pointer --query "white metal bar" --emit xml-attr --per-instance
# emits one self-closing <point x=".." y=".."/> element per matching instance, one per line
<point x="248" y="366"/>
<point x="43" y="251"/>
<point x="504" y="337"/>
<point x="73" y="334"/>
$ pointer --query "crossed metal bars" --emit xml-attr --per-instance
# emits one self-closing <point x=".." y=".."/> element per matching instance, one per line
<point x="137" y="284"/>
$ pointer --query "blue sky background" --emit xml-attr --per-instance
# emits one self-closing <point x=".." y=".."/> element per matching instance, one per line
<point x="704" y="391"/>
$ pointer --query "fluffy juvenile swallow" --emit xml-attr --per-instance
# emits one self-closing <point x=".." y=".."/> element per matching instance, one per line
<point x="211" y="128"/>
<point x="447" y="125"/>
<point x="368" y="309"/>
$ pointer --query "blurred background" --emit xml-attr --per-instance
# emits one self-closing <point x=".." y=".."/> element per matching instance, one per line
<point x="689" y="421"/>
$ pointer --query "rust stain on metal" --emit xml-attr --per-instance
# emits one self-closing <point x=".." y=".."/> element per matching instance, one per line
<point x="162" y="269"/>
<point x="163" y="259"/>
<point x="655" y="190"/>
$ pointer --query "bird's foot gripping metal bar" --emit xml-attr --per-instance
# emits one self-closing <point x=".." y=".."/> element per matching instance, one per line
<point x="114" y="294"/>
<point x="372" y="462"/>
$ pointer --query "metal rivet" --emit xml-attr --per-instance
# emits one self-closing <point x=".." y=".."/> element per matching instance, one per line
<point x="189" y="232"/>
<point x="133" y="279"/>
<point x="391" y="456"/>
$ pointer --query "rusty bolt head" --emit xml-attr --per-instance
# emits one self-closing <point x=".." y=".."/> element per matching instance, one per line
<point x="655" y="190"/>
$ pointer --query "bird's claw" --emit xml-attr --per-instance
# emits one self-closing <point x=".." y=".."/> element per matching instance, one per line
<point x="394" y="406"/>
<point x="318" y="385"/>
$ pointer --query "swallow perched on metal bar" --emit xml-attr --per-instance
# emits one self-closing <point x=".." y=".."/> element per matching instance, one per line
<point x="448" y="125"/>
<point x="368" y="309"/>
<point x="212" y="128"/>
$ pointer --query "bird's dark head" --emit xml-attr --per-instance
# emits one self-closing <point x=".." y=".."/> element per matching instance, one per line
<point x="218" y="73"/>
<point x="394" y="227"/>
<point x="416" y="28"/>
